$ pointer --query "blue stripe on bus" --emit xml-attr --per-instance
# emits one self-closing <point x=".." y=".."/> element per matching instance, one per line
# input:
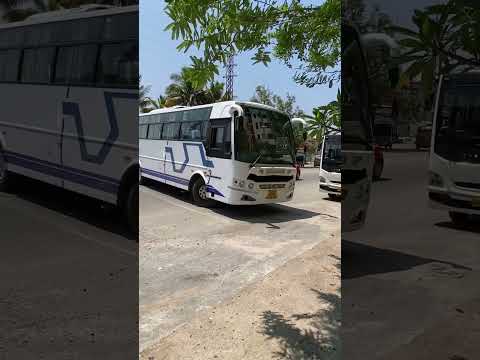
<point x="178" y="180"/>
<point x="81" y="177"/>
<point x="205" y="161"/>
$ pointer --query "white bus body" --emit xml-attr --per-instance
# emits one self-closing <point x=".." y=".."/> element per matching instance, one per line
<point x="69" y="85"/>
<point x="237" y="153"/>
<point x="330" y="165"/>
<point x="454" y="177"/>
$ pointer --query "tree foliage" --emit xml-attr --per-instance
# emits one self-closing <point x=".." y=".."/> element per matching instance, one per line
<point x="306" y="38"/>
<point x="446" y="38"/>
<point x="325" y="118"/>
<point x="287" y="105"/>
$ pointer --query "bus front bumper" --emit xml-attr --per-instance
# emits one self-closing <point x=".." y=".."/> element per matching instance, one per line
<point x="242" y="197"/>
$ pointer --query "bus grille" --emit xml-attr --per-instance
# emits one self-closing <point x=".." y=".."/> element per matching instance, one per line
<point x="271" y="178"/>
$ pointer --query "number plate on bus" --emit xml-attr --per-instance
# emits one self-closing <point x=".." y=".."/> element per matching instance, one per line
<point x="272" y="194"/>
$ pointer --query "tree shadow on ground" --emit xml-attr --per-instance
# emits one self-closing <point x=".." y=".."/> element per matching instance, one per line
<point x="320" y="341"/>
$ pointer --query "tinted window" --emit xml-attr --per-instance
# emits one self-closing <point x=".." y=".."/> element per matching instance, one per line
<point x="9" y="65"/>
<point x="37" y="65"/>
<point x="76" y="64"/>
<point x="121" y="27"/>
<point x="217" y="137"/>
<point x="118" y="64"/>
<point x="191" y="130"/>
<point x="170" y="131"/>
<point x="155" y="131"/>
<point x="142" y="131"/>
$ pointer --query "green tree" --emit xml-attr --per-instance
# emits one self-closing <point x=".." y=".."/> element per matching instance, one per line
<point x="158" y="103"/>
<point x="306" y="38"/>
<point x="265" y="96"/>
<point x="144" y="100"/>
<point x="325" y="118"/>
<point x="183" y="91"/>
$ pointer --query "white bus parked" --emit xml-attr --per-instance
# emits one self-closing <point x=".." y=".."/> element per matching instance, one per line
<point x="237" y="153"/>
<point x="454" y="177"/>
<point x="69" y="85"/>
<point x="331" y="162"/>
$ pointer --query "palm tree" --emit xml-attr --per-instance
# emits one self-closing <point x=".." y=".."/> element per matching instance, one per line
<point x="182" y="91"/>
<point x="144" y="100"/>
<point x="159" y="103"/>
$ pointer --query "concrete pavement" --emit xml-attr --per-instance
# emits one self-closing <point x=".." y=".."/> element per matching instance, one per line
<point x="194" y="258"/>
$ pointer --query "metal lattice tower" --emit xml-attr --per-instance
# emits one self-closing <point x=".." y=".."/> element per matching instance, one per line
<point x="229" y="77"/>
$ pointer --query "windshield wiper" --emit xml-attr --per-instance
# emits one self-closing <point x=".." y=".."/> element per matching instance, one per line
<point x="256" y="161"/>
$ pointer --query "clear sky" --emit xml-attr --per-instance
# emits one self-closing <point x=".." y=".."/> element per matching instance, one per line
<point x="159" y="58"/>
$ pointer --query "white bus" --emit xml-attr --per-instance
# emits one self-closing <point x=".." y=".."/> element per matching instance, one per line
<point x="454" y="177"/>
<point x="331" y="162"/>
<point x="238" y="153"/>
<point x="69" y="109"/>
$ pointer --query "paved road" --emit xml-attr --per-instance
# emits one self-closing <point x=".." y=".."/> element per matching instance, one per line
<point x="192" y="258"/>
<point x="410" y="279"/>
<point x="68" y="271"/>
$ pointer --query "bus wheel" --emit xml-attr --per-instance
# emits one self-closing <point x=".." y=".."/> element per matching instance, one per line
<point x="199" y="193"/>
<point x="458" y="218"/>
<point x="4" y="179"/>
<point x="131" y="208"/>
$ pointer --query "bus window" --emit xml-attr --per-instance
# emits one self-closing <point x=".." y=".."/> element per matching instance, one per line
<point x="9" y="65"/>
<point x="76" y="64"/>
<point x="170" y="131"/>
<point x="220" y="143"/>
<point x="191" y="131"/>
<point x="142" y="131"/>
<point x="118" y="59"/>
<point x="155" y="131"/>
<point x="37" y="65"/>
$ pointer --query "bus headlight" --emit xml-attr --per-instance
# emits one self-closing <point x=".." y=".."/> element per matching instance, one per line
<point x="250" y="186"/>
<point x="434" y="179"/>
<point x="241" y="183"/>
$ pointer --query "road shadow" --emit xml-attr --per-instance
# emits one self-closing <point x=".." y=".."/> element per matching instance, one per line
<point x="360" y="260"/>
<point x="80" y="207"/>
<point x="270" y="214"/>
<point x="473" y="227"/>
<point x="320" y="341"/>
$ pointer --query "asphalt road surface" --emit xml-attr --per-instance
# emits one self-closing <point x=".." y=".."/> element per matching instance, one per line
<point x="193" y="258"/>
<point x="69" y="277"/>
<point x="410" y="278"/>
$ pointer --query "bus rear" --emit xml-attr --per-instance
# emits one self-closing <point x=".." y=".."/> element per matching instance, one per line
<point x="454" y="177"/>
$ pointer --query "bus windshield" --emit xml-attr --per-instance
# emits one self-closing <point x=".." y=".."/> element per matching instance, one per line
<point x="263" y="136"/>
<point x="457" y="135"/>
<point x="332" y="158"/>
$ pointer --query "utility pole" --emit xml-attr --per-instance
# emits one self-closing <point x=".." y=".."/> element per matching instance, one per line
<point x="229" y="77"/>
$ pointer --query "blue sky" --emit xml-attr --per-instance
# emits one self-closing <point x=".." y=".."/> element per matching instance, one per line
<point x="159" y="58"/>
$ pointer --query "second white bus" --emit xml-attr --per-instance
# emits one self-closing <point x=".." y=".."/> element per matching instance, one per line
<point x="238" y="153"/>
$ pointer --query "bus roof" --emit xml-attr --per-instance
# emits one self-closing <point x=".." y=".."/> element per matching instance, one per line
<point x="222" y="104"/>
<point x="85" y="11"/>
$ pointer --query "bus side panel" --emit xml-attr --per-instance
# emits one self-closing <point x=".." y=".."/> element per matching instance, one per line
<point x="152" y="158"/>
<point x="32" y="137"/>
<point x="182" y="160"/>
<point x="94" y="150"/>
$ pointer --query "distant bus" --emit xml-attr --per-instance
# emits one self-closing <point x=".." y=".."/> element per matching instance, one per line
<point x="69" y="85"/>
<point x="454" y="177"/>
<point x="331" y="162"/>
<point x="238" y="153"/>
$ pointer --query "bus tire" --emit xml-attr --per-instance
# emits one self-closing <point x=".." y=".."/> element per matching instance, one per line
<point x="4" y="175"/>
<point x="458" y="218"/>
<point x="130" y="209"/>
<point x="199" y="193"/>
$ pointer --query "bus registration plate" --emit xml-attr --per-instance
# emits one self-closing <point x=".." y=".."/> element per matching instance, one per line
<point x="271" y="194"/>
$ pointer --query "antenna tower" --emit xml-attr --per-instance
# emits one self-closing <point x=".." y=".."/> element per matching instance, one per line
<point x="229" y="77"/>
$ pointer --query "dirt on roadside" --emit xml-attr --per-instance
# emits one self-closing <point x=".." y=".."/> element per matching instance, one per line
<point x="293" y="313"/>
